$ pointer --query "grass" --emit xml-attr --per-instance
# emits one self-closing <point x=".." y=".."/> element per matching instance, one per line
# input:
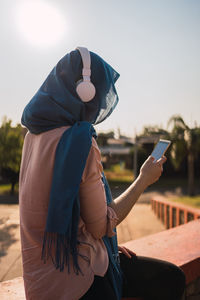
<point x="118" y="174"/>
<point x="190" y="201"/>
<point x="5" y="189"/>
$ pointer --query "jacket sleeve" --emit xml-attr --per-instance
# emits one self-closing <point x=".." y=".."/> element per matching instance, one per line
<point x="100" y="219"/>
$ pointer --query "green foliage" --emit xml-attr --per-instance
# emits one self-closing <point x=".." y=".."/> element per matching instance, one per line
<point x="117" y="173"/>
<point x="11" y="141"/>
<point x="178" y="153"/>
<point x="178" y="124"/>
<point x="191" y="201"/>
<point x="179" y="146"/>
<point x="186" y="142"/>
<point x="103" y="138"/>
<point x="5" y="189"/>
<point x="155" y="131"/>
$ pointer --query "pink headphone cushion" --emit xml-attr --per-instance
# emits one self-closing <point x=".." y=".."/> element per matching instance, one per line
<point x="85" y="90"/>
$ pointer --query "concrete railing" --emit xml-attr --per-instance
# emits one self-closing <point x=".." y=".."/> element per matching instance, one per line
<point x="172" y="213"/>
<point x="179" y="245"/>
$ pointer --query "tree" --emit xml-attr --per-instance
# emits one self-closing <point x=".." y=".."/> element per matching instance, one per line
<point x="155" y="131"/>
<point x="185" y="142"/>
<point x="11" y="141"/>
<point x="103" y="137"/>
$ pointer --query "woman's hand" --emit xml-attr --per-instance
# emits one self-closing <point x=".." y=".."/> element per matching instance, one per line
<point x="129" y="253"/>
<point x="151" y="171"/>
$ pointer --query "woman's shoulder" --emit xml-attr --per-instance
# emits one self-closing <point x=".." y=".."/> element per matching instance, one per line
<point x="93" y="166"/>
<point x="52" y="134"/>
<point x="95" y="147"/>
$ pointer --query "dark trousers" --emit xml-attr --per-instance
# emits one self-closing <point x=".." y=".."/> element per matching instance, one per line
<point x="145" y="277"/>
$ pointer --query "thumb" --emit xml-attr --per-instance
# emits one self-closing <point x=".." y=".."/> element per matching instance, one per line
<point x="150" y="158"/>
<point x="162" y="160"/>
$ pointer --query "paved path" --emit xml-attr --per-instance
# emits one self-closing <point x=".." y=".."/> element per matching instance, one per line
<point x="140" y="222"/>
<point x="10" y="255"/>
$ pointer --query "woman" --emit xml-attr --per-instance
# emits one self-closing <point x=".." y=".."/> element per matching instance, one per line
<point x="67" y="215"/>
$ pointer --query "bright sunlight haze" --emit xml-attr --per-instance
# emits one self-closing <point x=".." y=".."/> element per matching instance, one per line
<point x="40" y="23"/>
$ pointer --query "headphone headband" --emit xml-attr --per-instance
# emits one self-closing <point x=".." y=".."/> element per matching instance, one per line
<point x="85" y="55"/>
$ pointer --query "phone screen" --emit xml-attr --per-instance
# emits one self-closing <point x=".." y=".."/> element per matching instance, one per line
<point x="160" y="149"/>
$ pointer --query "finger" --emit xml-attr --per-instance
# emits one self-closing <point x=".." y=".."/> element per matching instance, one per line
<point x="124" y="251"/>
<point x="162" y="160"/>
<point x="130" y="251"/>
<point x="150" y="158"/>
<point x="119" y="248"/>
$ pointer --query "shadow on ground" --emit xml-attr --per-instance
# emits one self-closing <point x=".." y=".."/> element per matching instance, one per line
<point x="6" y="236"/>
<point x="9" y="199"/>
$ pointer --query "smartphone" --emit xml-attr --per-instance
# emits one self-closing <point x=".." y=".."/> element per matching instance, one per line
<point x="160" y="149"/>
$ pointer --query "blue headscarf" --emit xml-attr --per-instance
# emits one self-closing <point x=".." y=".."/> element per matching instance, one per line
<point x="57" y="104"/>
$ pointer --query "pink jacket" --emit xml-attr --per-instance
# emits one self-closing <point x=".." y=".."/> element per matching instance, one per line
<point x="43" y="281"/>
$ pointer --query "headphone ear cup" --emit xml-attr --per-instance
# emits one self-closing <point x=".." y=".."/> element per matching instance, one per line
<point x="85" y="90"/>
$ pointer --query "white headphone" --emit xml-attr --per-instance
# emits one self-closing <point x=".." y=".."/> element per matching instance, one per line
<point x="84" y="87"/>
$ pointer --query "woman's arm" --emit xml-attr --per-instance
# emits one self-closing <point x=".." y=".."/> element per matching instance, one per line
<point x="97" y="216"/>
<point x="99" y="219"/>
<point x="149" y="173"/>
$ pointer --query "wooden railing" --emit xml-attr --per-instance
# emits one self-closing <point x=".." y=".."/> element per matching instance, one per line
<point x="172" y="213"/>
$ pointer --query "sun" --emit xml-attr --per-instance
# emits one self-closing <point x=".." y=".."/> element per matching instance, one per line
<point x="40" y="23"/>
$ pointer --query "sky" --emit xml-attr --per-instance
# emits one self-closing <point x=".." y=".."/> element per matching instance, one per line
<point x="153" y="44"/>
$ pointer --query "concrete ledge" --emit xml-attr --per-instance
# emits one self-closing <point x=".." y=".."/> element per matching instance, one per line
<point x="12" y="289"/>
<point x="179" y="245"/>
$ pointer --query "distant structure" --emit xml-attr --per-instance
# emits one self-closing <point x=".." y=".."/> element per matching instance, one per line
<point x="117" y="150"/>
